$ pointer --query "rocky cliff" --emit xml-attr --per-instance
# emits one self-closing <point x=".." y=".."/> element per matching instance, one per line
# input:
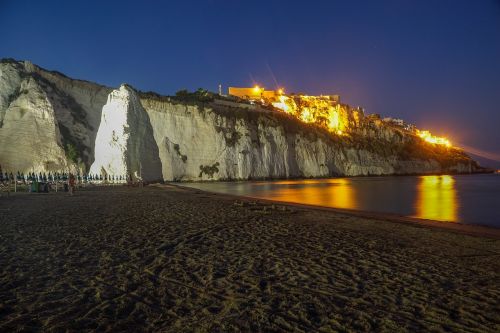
<point x="49" y="122"/>
<point x="124" y="142"/>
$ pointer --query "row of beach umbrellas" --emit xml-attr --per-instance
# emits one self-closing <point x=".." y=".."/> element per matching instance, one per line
<point x="58" y="176"/>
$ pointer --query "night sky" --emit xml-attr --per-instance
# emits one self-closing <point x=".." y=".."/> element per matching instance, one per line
<point x="433" y="63"/>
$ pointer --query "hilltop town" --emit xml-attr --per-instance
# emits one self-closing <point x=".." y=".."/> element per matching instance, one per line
<point x="324" y="110"/>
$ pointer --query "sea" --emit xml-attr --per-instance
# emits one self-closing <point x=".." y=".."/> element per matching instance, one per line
<point x="469" y="199"/>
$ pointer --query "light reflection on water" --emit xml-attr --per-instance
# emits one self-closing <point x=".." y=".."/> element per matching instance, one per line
<point x="322" y="192"/>
<point x="466" y="199"/>
<point x="437" y="198"/>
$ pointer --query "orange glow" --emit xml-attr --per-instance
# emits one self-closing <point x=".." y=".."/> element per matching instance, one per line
<point x="257" y="90"/>
<point x="323" y="110"/>
<point x="436" y="198"/>
<point x="320" y="110"/>
<point x="340" y="192"/>
<point x="428" y="137"/>
<point x="306" y="116"/>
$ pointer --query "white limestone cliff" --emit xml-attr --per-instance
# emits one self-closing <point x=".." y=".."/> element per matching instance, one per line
<point x="124" y="144"/>
<point x="29" y="136"/>
<point x="42" y="115"/>
<point x="203" y="144"/>
<point x="121" y="132"/>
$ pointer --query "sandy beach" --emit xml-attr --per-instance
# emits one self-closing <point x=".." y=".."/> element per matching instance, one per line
<point x="172" y="259"/>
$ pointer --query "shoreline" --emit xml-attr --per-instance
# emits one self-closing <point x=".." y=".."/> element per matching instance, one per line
<point x="457" y="227"/>
<point x="264" y="179"/>
<point x="477" y="230"/>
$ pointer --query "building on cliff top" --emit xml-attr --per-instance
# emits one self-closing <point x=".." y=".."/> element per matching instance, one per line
<point x="401" y="123"/>
<point x="254" y="93"/>
<point x="260" y="93"/>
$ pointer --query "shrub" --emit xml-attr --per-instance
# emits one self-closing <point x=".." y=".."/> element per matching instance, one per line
<point x="177" y="149"/>
<point x="71" y="152"/>
<point x="199" y="96"/>
<point x="209" y="170"/>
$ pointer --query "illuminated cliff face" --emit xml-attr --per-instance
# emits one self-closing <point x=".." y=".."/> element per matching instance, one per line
<point x="124" y="144"/>
<point x="337" y="118"/>
<point x="428" y="137"/>
<point x="320" y="110"/>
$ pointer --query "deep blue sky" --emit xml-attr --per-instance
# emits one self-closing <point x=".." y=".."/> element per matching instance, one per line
<point x="435" y="63"/>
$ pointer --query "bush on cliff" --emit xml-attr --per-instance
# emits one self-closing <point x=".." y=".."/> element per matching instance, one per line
<point x="71" y="152"/>
<point x="200" y="95"/>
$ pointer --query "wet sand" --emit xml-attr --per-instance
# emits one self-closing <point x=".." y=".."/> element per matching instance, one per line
<point x="172" y="259"/>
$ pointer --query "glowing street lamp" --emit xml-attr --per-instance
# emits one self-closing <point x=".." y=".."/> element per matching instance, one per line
<point x="257" y="90"/>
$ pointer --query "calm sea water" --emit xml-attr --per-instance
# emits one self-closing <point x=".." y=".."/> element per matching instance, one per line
<point x="471" y="199"/>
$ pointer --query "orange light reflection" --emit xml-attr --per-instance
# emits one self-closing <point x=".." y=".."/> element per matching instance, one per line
<point x="339" y="192"/>
<point x="437" y="198"/>
<point x="342" y="194"/>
